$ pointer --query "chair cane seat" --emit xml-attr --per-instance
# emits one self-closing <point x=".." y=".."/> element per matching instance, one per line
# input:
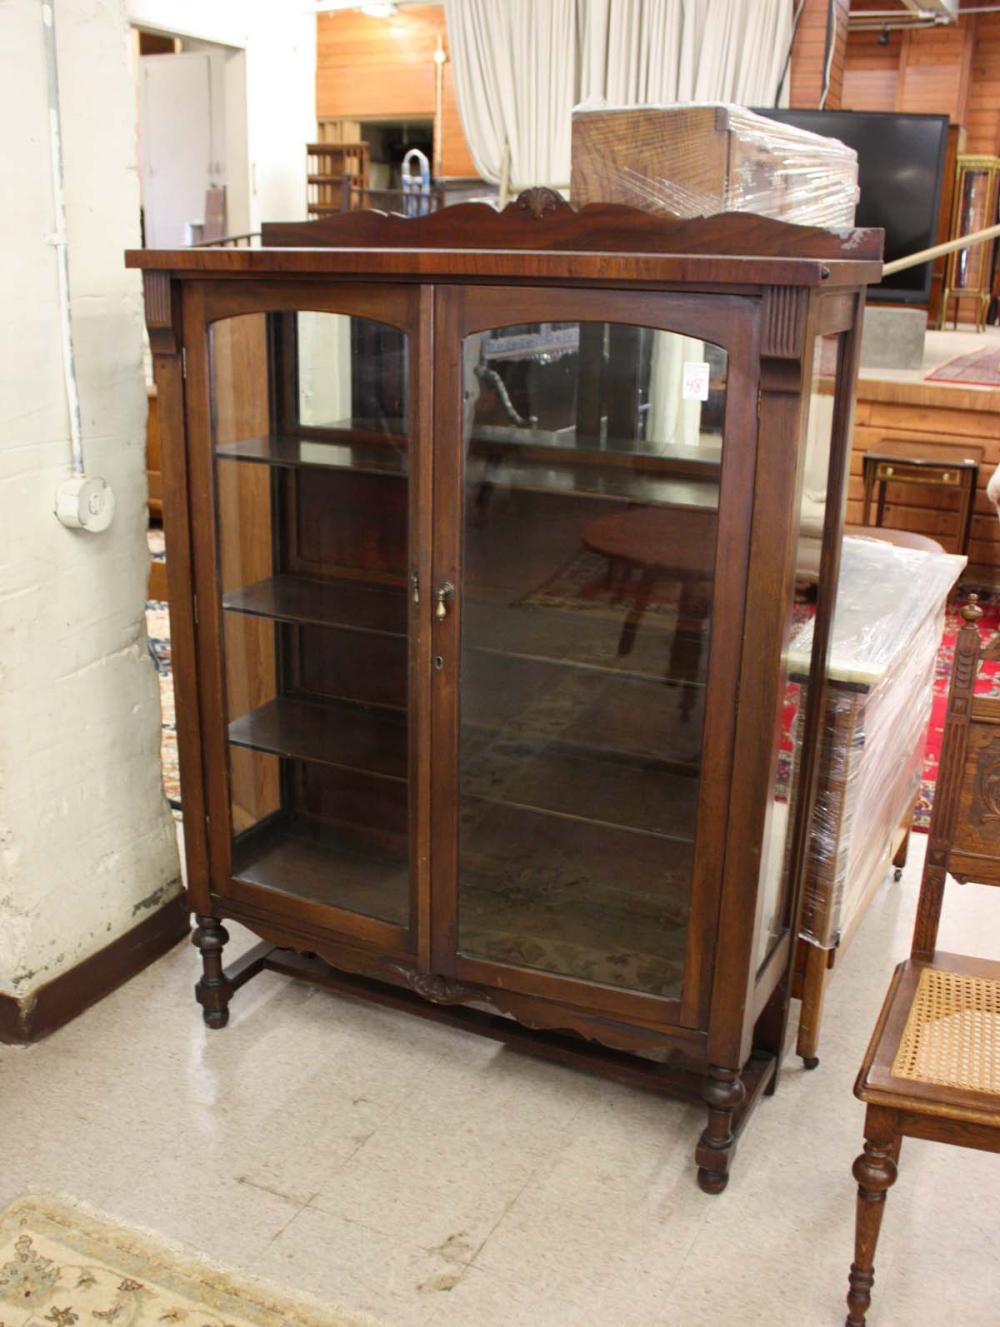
<point x="938" y="1037"/>
<point x="952" y="1036"/>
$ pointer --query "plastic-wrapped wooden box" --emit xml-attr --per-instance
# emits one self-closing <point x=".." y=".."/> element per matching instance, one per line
<point x="887" y="630"/>
<point x="699" y="159"/>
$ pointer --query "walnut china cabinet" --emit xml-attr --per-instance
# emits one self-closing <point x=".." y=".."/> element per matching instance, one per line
<point x="484" y="533"/>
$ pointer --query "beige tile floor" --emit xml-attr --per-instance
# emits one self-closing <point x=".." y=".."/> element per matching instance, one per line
<point x="428" y="1177"/>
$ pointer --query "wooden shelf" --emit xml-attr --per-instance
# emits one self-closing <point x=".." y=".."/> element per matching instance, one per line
<point x="585" y="479"/>
<point x="609" y="717"/>
<point x="300" y="450"/>
<point x="327" y="448"/>
<point x="348" y="604"/>
<point x="322" y="863"/>
<point x="357" y="428"/>
<point x="338" y="733"/>
<point x="584" y="638"/>
<point x="704" y="460"/>
<point x="547" y="779"/>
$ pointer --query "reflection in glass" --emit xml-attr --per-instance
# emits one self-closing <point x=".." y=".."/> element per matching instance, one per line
<point x="351" y="373"/>
<point x="592" y="462"/>
<point x="311" y="500"/>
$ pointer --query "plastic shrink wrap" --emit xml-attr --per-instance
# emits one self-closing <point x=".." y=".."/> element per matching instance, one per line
<point x="886" y="636"/>
<point x="697" y="159"/>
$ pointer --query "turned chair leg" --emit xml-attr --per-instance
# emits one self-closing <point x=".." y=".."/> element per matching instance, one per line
<point x="213" y="991"/>
<point x="875" y="1172"/>
<point x="723" y="1092"/>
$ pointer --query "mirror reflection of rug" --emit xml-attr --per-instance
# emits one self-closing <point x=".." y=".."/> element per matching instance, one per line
<point x="61" y="1265"/>
<point x="979" y="368"/>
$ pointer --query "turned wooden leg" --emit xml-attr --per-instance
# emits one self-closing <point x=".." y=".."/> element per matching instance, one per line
<point x="214" y="990"/>
<point x="875" y="1172"/>
<point x="723" y="1092"/>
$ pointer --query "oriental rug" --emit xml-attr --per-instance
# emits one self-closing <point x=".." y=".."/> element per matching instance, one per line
<point x="62" y="1265"/>
<point x="979" y="368"/>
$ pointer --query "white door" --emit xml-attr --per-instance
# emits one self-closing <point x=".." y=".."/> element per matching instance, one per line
<point x="181" y="144"/>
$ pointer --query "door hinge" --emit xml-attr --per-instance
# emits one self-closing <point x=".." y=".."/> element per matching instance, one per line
<point x="194" y="605"/>
<point x="759" y="395"/>
<point x="184" y="363"/>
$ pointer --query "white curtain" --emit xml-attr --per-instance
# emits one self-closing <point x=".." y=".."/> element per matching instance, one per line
<point x="637" y="51"/>
<point x="521" y="65"/>
<point x="515" y="77"/>
<point x="324" y="367"/>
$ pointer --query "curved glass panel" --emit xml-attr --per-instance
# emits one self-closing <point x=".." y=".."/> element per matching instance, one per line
<point x="592" y="463"/>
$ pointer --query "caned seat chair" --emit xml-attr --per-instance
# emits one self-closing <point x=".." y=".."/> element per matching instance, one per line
<point x="932" y="1068"/>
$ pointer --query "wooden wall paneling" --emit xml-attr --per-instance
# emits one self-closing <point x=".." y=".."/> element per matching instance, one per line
<point x="383" y="69"/>
<point x="456" y="159"/>
<point x="951" y="70"/>
<point x="808" y="55"/>
<point x="956" y="138"/>
<point x="965" y="419"/>
<point x="934" y="71"/>
<point x="983" y="112"/>
<point x="871" y="72"/>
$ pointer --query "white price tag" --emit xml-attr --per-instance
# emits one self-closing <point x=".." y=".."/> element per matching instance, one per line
<point x="695" y="386"/>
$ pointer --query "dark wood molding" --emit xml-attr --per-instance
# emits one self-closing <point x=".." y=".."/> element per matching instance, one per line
<point x="783" y="330"/>
<point x="162" y="313"/>
<point x="59" y="1001"/>
<point x="542" y="220"/>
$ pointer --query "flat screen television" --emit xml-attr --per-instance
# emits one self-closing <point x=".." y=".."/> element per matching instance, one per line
<point x="900" y="167"/>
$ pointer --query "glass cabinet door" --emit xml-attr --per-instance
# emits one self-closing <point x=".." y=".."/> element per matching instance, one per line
<point x="592" y="455"/>
<point x="311" y="478"/>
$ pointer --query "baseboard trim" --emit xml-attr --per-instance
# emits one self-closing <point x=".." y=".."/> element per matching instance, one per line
<point x="59" y="1001"/>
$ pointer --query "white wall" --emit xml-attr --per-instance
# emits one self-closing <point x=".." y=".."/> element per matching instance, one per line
<point x="278" y="42"/>
<point x="87" y="845"/>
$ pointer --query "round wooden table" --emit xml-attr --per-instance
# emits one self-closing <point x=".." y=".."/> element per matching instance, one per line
<point x="663" y="544"/>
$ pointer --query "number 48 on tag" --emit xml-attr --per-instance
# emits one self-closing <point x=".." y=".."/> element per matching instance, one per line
<point x="695" y="386"/>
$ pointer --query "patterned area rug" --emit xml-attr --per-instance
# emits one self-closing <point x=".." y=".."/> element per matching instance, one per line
<point x="158" y="635"/>
<point x="988" y="684"/>
<point x="62" y="1265"/>
<point x="979" y="368"/>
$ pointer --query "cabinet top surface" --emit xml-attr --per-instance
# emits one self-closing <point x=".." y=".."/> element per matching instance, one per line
<point x="540" y="237"/>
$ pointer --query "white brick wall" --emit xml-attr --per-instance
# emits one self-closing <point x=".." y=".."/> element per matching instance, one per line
<point x="87" y="843"/>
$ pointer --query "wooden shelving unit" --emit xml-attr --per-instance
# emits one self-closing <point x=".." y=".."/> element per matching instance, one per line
<point x="332" y="167"/>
